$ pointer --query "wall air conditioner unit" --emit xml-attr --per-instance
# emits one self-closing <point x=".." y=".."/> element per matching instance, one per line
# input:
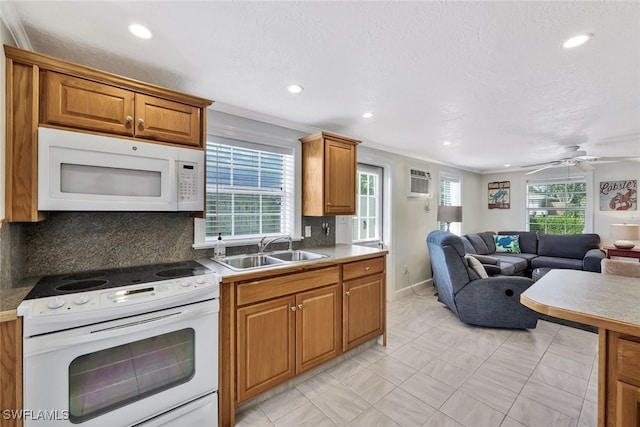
<point x="418" y="185"/>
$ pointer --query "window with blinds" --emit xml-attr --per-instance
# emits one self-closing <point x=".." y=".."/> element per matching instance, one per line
<point x="451" y="195"/>
<point x="557" y="206"/>
<point x="249" y="190"/>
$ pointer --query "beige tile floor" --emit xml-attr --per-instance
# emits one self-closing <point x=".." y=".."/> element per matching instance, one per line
<point x="438" y="372"/>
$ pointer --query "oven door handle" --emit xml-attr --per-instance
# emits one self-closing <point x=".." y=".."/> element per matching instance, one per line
<point x="137" y="323"/>
<point x="66" y="339"/>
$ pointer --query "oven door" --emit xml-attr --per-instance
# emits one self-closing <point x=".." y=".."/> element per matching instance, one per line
<point x="122" y="372"/>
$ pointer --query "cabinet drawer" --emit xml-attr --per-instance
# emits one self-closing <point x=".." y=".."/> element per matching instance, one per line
<point x="628" y="361"/>
<point x="265" y="289"/>
<point x="362" y="268"/>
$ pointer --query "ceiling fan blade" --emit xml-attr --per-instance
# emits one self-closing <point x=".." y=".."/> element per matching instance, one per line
<point x="584" y="166"/>
<point x="542" y="168"/>
<point x="553" y="163"/>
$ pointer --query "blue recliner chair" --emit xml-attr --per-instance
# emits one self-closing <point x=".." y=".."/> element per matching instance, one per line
<point x="493" y="301"/>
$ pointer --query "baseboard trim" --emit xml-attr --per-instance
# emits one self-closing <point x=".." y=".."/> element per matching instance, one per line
<point x="420" y="287"/>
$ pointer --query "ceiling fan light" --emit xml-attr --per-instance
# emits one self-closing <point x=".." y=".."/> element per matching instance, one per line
<point x="576" y="41"/>
<point x="140" y="31"/>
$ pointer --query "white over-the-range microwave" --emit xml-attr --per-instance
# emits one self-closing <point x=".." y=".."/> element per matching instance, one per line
<point x="87" y="172"/>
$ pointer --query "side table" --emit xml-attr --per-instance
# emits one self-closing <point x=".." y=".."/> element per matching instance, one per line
<point x="626" y="253"/>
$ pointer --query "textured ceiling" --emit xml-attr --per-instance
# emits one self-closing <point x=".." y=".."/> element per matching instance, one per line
<point x="489" y="76"/>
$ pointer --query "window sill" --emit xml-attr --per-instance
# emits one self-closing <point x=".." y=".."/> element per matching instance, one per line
<point x="210" y="244"/>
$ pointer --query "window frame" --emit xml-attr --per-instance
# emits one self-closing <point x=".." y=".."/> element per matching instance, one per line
<point x="267" y="143"/>
<point x="379" y="215"/>
<point x="455" y="227"/>
<point x="587" y="179"/>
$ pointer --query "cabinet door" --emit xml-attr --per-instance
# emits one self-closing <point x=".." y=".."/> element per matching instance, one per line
<point x="265" y="343"/>
<point x="339" y="178"/>
<point x="11" y="369"/>
<point x="83" y="104"/>
<point x="165" y="120"/>
<point x="317" y="327"/>
<point x="363" y="310"/>
<point x="628" y="402"/>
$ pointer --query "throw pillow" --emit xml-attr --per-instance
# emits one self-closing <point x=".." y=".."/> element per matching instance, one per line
<point x="476" y="266"/>
<point x="507" y="244"/>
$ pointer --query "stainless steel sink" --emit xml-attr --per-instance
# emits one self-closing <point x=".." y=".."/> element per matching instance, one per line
<point x="251" y="261"/>
<point x="298" y="255"/>
<point x="243" y="262"/>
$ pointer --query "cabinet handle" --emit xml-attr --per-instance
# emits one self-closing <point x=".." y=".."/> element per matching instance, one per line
<point x="348" y="293"/>
<point x="328" y="203"/>
<point x="300" y="306"/>
<point x="367" y="268"/>
<point x="129" y="119"/>
<point x="141" y="122"/>
<point x="293" y="308"/>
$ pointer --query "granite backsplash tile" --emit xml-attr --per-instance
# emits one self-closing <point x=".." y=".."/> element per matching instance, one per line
<point x="69" y="242"/>
<point x="79" y="241"/>
<point x="12" y="254"/>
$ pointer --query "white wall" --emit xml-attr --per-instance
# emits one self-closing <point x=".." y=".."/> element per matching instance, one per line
<point x="409" y="220"/>
<point x="515" y="218"/>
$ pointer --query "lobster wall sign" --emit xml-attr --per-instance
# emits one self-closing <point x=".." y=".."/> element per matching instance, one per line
<point x="619" y="195"/>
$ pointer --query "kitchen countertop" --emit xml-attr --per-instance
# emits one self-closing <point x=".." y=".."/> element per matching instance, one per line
<point x="340" y="253"/>
<point x="11" y="298"/>
<point x="601" y="300"/>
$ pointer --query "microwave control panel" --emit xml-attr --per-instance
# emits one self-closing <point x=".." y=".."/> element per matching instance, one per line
<point x="187" y="182"/>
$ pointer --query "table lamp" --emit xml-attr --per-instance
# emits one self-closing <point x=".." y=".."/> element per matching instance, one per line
<point x="449" y="214"/>
<point x="624" y="234"/>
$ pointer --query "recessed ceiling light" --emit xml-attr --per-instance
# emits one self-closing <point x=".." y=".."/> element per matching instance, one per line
<point x="446" y="143"/>
<point x="577" y="41"/>
<point x="295" y="88"/>
<point x="507" y="165"/>
<point x="367" y="115"/>
<point x="140" y="31"/>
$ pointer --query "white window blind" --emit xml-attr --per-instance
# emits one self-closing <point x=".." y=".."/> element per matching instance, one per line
<point x="250" y="190"/>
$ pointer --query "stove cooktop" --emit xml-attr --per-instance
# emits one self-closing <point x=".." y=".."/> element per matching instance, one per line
<point x="65" y="284"/>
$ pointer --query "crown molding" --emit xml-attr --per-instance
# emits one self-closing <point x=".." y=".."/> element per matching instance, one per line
<point x="14" y="25"/>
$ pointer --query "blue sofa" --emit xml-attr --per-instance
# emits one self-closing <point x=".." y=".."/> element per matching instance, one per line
<point x="576" y="251"/>
<point x="492" y="301"/>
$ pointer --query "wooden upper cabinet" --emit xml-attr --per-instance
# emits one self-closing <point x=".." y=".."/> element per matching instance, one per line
<point x="328" y="175"/>
<point x="79" y="103"/>
<point x="167" y="120"/>
<point x="83" y="104"/>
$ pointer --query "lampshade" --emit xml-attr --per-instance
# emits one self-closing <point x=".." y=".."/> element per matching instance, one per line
<point x="623" y="234"/>
<point x="449" y="214"/>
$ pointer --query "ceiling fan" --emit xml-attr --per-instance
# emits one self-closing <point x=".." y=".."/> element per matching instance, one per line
<point x="571" y="156"/>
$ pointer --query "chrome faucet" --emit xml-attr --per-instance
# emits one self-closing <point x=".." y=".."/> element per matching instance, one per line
<point x="262" y="245"/>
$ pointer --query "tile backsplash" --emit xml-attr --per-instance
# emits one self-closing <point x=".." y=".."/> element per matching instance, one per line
<point x="78" y="241"/>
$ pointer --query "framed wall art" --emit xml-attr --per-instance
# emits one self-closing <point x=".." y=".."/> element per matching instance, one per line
<point x="500" y="195"/>
<point x="619" y="195"/>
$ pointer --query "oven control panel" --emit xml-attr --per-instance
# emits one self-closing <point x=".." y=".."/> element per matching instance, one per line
<point x="124" y="295"/>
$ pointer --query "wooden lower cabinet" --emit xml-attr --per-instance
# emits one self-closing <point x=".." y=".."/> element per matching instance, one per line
<point x="10" y="371"/>
<point x="266" y="345"/>
<point x="281" y="338"/>
<point x="621" y="393"/>
<point x="363" y="310"/>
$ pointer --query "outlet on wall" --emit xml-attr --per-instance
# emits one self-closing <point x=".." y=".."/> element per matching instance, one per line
<point x="406" y="270"/>
<point x="307" y="231"/>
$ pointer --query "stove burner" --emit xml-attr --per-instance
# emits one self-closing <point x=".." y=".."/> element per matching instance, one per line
<point x="81" y="286"/>
<point x="84" y="275"/>
<point x="175" y="272"/>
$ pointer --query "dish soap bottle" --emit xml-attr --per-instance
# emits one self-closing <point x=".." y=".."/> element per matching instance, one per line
<point x="219" y="249"/>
